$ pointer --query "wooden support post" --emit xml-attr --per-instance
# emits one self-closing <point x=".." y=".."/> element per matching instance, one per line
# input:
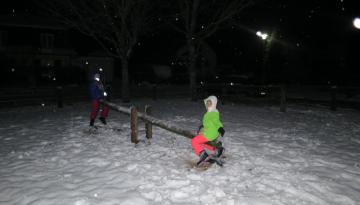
<point x="59" y="97"/>
<point x="148" y="125"/>
<point x="333" y="97"/>
<point x="282" y="98"/>
<point x="134" y="124"/>
<point x="223" y="94"/>
<point x="154" y="92"/>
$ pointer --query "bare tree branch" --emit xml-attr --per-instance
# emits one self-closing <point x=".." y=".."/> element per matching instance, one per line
<point x="115" y="25"/>
<point x="200" y="19"/>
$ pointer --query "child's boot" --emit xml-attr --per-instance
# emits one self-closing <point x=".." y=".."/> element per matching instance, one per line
<point x="103" y="120"/>
<point x="220" y="152"/>
<point x="92" y="122"/>
<point x="203" y="156"/>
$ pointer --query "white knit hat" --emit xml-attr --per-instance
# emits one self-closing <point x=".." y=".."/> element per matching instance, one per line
<point x="97" y="77"/>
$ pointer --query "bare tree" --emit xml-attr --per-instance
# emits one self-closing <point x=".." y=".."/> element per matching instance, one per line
<point x="115" y="24"/>
<point x="199" y="19"/>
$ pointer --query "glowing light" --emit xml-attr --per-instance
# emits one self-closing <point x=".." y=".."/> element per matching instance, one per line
<point x="263" y="93"/>
<point x="105" y="94"/>
<point x="86" y="63"/>
<point x="43" y="104"/>
<point x="263" y="36"/>
<point x="12" y="69"/>
<point x="100" y="69"/>
<point x="54" y="79"/>
<point x="356" y="22"/>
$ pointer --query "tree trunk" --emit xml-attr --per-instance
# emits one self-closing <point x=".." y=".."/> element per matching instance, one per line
<point x="282" y="98"/>
<point x="192" y="48"/>
<point x="125" y="80"/>
<point x="192" y="70"/>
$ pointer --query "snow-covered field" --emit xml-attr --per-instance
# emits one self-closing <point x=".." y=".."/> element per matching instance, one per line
<point x="308" y="155"/>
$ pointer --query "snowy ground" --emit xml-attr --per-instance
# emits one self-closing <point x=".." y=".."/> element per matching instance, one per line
<point x="308" y="155"/>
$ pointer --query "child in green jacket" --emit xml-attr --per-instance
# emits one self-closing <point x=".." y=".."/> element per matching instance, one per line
<point x="210" y="130"/>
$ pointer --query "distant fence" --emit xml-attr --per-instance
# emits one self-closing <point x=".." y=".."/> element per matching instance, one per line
<point x="233" y="90"/>
<point x="159" y="91"/>
<point x="11" y="97"/>
<point x="331" y="96"/>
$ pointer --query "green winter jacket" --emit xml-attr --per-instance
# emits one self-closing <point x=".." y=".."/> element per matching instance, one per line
<point x="211" y="123"/>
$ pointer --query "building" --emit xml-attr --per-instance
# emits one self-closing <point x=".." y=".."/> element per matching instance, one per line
<point x="40" y="52"/>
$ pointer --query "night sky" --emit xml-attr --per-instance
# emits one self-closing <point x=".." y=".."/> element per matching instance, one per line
<point x="315" y="38"/>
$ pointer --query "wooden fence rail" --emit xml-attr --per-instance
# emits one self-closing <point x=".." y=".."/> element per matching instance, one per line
<point x="11" y="97"/>
<point x="331" y="96"/>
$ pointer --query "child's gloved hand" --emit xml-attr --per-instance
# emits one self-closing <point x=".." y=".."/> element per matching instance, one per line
<point x="221" y="131"/>
<point x="200" y="129"/>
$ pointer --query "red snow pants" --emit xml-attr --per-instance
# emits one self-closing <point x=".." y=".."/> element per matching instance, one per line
<point x="95" y="106"/>
<point x="198" y="144"/>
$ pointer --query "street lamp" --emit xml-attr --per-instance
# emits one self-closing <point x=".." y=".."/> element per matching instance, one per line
<point x="356" y="22"/>
<point x="263" y="36"/>
<point x="266" y="40"/>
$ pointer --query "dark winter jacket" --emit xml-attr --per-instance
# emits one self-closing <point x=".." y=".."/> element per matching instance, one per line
<point x="96" y="91"/>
